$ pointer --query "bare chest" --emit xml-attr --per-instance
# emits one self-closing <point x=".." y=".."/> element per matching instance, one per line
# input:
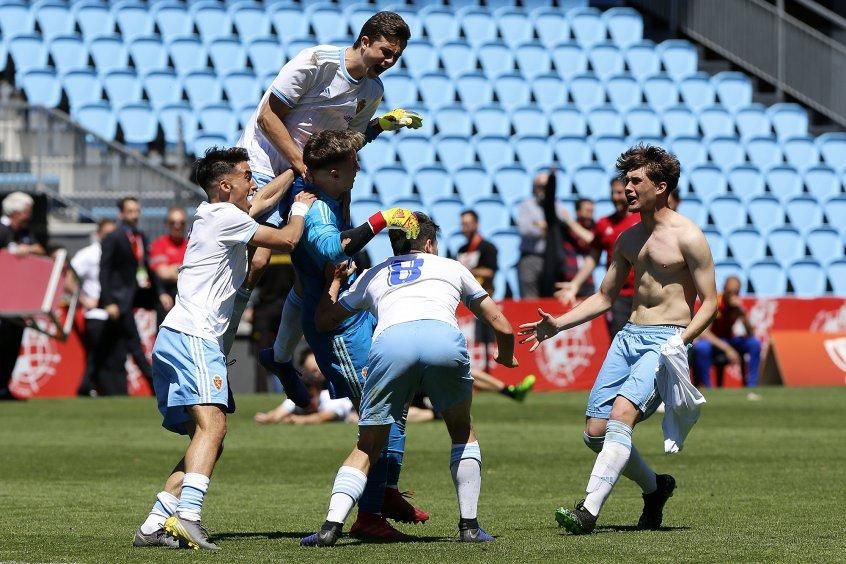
<point x="658" y="255"/>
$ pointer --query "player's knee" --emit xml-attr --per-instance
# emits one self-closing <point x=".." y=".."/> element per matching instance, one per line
<point x="593" y="443"/>
<point x="624" y="411"/>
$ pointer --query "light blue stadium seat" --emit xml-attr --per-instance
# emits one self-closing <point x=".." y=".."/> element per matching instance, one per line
<point x="746" y="182"/>
<point x="567" y="120"/>
<point x="726" y="152"/>
<point x="605" y="120"/>
<point x="458" y="58"/>
<point x="266" y="55"/>
<point x="784" y="181"/>
<point x="734" y="89"/>
<point x="205" y="141"/>
<point x="786" y="245"/>
<point x="54" y="19"/>
<point x="138" y="123"/>
<point x="188" y="54"/>
<point x="833" y="149"/>
<point x="400" y="90"/>
<point x="202" y="88"/>
<point x="587" y="26"/>
<point x="148" y="54"/>
<point x="377" y="153"/>
<point x="133" y="20"/>
<point x="455" y="152"/>
<point x="747" y="246"/>
<point x="28" y="53"/>
<point x="16" y="19"/>
<point x="289" y="20"/>
<point x="512" y="91"/>
<point x="363" y="189"/>
<point x="507" y="243"/>
<point x="804" y="213"/>
<point x="515" y="26"/>
<point x="716" y="121"/>
<point x="379" y="248"/>
<point x="589" y="180"/>
<point x="549" y="92"/>
<point x="327" y="21"/>
<point x="227" y="54"/>
<point x="625" y="25"/>
<point x="361" y="208"/>
<point x="808" y="278"/>
<point x="789" y="120"/>
<point x="453" y="120"/>
<point x="530" y="120"/>
<point x="68" y="53"/>
<point x="472" y="183"/>
<point x="822" y="182"/>
<point x="474" y="90"/>
<point x="172" y="19"/>
<point x="708" y="182"/>
<point x="94" y="18"/>
<point x="109" y="53"/>
<point x="241" y="88"/>
<point x="837" y="275"/>
<point x="726" y="268"/>
<point x="42" y="87"/>
<point x="513" y="184"/>
<point x="357" y="13"/>
<point x="250" y="21"/>
<point x="660" y="92"/>
<point x="211" y="20"/>
<point x="410" y="14"/>
<point x="81" y="87"/>
<point x="587" y="92"/>
<point x="801" y="152"/>
<point x="824" y="243"/>
<point x="493" y="215"/>
<point x="534" y="152"/>
<point x="122" y="87"/>
<point x="680" y="121"/>
<point x="679" y="58"/>
<point x="716" y="241"/>
<point x="163" y="87"/>
<point x="436" y="90"/>
<point x="433" y="183"/>
<point x="768" y="279"/>
<point x="393" y="183"/>
<point x="643" y="121"/>
<point x="414" y="151"/>
<point x="447" y="214"/>
<point x="99" y="118"/>
<point x="689" y="150"/>
<point x="835" y="212"/>
<point x="420" y="57"/>
<point x="766" y="213"/>
<point x="606" y="60"/>
<point x="570" y="60"/>
<point x="727" y="213"/>
<point x="695" y="209"/>
<point x="764" y="152"/>
<point x="478" y="25"/>
<point x="551" y="26"/>
<point x="440" y="24"/>
<point x="178" y="123"/>
<point x="643" y="60"/>
<point x="573" y="151"/>
<point x="603" y="207"/>
<point x="607" y="148"/>
<point x="494" y="151"/>
<point x="623" y="92"/>
<point x="245" y="113"/>
<point x="753" y="121"/>
<point x="697" y="92"/>
<point x="218" y="119"/>
<point x="533" y="59"/>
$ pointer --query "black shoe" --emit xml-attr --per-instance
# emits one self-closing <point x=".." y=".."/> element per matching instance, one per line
<point x="653" y="503"/>
<point x="470" y="531"/>
<point x="328" y="535"/>
<point x="578" y="521"/>
<point x="289" y="376"/>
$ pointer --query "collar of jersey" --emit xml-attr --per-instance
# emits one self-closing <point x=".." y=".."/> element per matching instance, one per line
<point x="343" y="65"/>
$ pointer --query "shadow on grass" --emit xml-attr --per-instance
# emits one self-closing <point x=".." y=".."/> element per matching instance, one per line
<point x="416" y="539"/>
<point x="619" y="528"/>
<point x="270" y="535"/>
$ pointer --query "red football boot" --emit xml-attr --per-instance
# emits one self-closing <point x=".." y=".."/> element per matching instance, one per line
<point x="396" y="507"/>
<point x="375" y="528"/>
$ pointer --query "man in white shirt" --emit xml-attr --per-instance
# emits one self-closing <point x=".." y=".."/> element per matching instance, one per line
<point x="189" y="367"/>
<point x="416" y="343"/>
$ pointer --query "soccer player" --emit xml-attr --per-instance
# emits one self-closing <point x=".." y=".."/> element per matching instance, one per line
<point x="189" y="367"/>
<point x="417" y="342"/>
<point x="672" y="265"/>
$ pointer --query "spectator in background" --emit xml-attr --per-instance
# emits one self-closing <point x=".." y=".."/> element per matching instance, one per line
<point x="532" y="225"/>
<point x="168" y="251"/>
<point x="125" y="274"/>
<point x="576" y="241"/>
<point x="16" y="239"/>
<point x="721" y="337"/>
<point x="86" y="264"/>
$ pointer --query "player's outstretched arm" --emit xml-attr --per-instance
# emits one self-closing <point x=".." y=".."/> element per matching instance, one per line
<point x="354" y="240"/>
<point x="330" y="312"/>
<point x="487" y="310"/>
<point x="286" y="239"/>
<point x="269" y="196"/>
<point x="697" y="255"/>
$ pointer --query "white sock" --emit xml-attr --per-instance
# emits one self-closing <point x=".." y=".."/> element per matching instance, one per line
<point x="466" y="469"/>
<point x="639" y="472"/>
<point x="348" y="487"/>
<point x="163" y="508"/>
<point x="608" y="466"/>
<point x="290" y="330"/>
<point x="194" y="489"/>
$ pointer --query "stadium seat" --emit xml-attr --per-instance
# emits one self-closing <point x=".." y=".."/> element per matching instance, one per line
<point x="507" y="243"/>
<point x="109" y="53"/>
<point x="607" y="148"/>
<point x="513" y="183"/>
<point x="218" y="119"/>
<point x="734" y="89"/>
<point x="227" y="55"/>
<point x="493" y="215"/>
<point x="512" y="91"/>
<point x="16" y="19"/>
<point x="746" y="182"/>
<point x="433" y="183"/>
<point x="478" y="25"/>
<point x="605" y="121"/>
<point x="529" y="120"/>
<point x="837" y="275"/>
<point x="454" y="152"/>
<point x="679" y="58"/>
<point x="833" y="149"/>
<point x="379" y="248"/>
<point x="172" y="19"/>
<point x="42" y="87"/>
<point x="414" y="151"/>
<point x="361" y="208"/>
<point x="695" y="209"/>
<point x="420" y="57"/>
<point x="587" y="92"/>
<point x="789" y="120"/>
<point x="623" y="92"/>
<point x="178" y="124"/>
<point x="440" y="24"/>
<point x="643" y="60"/>
<point x="822" y="182"/>
<point x="824" y="243"/>
<point x="690" y="151"/>
<point x="357" y="13"/>
<point x="786" y="245"/>
<point x="327" y="21"/>
<point x="211" y="20"/>
<point x="680" y="121"/>
<point x="808" y="278"/>
<point x="716" y="241"/>
<point x="492" y="120"/>
<point x="726" y="152"/>
<point x="494" y="151"/>
<point x="188" y="55"/>
<point x="747" y="246"/>
<point x="570" y="60"/>
<point x="202" y="88"/>
<point x="567" y="120"/>
<point x="122" y="87"/>
<point x="753" y="121"/>
<point x="726" y="268"/>
<point x="768" y="279"/>
<point x="266" y="55"/>
<point x="766" y="213"/>
<point x="133" y="20"/>
<point x="472" y="183"/>
<point x="436" y="90"/>
<point x="716" y="121"/>
<point x="801" y="152"/>
<point x="784" y="182"/>
<point x="94" y="19"/>
<point x="603" y="207"/>
<point x="587" y="26"/>
<point x="138" y="124"/>
<point x="447" y="214"/>
<point x="289" y="20"/>
<point x="393" y="183"/>
<point x="250" y="21"/>
<point x="400" y="90"/>
<point x="835" y="212"/>
<point x="377" y="153"/>
<point x="515" y="27"/>
<point x="707" y="182"/>
<point x="148" y="54"/>
<point x="98" y="118"/>
<point x="533" y="60"/>
<point x="764" y="152"/>
<point x="573" y="151"/>
<point x="549" y="92"/>
<point x="458" y="58"/>
<point x="205" y="141"/>
<point x="163" y="87"/>
<point x="28" y="53"/>
<point x="81" y="87"/>
<point x="551" y="26"/>
<point x="660" y="92"/>
<point x="625" y="25"/>
<point x="534" y="151"/>
<point x="363" y="189"/>
<point x="727" y="213"/>
<point x="454" y="120"/>
<point x="68" y="53"/>
<point x="241" y="88"/>
<point x="643" y="121"/>
<point x="804" y="213"/>
<point x="697" y="92"/>
<point x="474" y="90"/>
<point x="606" y="60"/>
<point x="589" y="180"/>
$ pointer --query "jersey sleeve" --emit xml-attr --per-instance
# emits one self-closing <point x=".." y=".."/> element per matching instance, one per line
<point x="358" y="296"/>
<point x="296" y="77"/>
<point x="322" y="235"/>
<point x="471" y="290"/>
<point x="235" y="227"/>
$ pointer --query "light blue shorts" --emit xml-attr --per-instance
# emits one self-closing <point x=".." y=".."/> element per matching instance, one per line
<point x="187" y="371"/>
<point x="273" y="216"/>
<point x="419" y="354"/>
<point x="629" y="370"/>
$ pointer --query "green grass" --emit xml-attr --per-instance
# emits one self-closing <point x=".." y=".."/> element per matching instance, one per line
<point x="758" y="481"/>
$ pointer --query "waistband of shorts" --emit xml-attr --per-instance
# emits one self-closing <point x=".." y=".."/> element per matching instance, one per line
<point x="637" y="329"/>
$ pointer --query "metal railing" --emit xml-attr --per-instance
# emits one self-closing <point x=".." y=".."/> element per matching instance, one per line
<point x="767" y="42"/>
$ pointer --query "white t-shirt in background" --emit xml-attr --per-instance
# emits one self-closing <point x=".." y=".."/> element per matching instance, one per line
<point x="341" y="407"/>
<point x="86" y="264"/>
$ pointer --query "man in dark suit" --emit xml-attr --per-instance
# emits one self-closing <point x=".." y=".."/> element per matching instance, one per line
<point x="126" y="281"/>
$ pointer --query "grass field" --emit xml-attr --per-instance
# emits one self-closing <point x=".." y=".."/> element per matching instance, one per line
<point x="758" y="481"/>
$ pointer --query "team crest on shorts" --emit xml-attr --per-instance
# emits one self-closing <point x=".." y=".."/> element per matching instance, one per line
<point x="218" y="382"/>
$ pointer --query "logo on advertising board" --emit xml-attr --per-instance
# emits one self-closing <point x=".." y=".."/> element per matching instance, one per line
<point x="836" y="349"/>
<point x="564" y="356"/>
<point x="830" y="321"/>
<point x="37" y="365"/>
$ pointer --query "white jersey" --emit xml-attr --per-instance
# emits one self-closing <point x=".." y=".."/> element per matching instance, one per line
<point x="215" y="267"/>
<point x="321" y="94"/>
<point x="413" y="287"/>
<point x="341" y="407"/>
<point x="86" y="264"/>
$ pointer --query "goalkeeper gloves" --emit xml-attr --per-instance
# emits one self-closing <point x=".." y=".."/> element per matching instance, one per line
<point x="399" y="118"/>
<point x="395" y="218"/>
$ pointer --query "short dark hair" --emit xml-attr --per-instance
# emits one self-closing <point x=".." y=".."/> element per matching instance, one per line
<point x="103" y="223"/>
<point x="472" y="213"/>
<point x="387" y="25"/>
<point x="428" y="232"/>
<point x="330" y="147"/>
<point x="582" y="201"/>
<point x="215" y="163"/>
<point x="122" y="202"/>
<point x="660" y="165"/>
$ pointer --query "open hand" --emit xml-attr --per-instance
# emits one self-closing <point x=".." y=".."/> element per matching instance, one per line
<point x="538" y="331"/>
